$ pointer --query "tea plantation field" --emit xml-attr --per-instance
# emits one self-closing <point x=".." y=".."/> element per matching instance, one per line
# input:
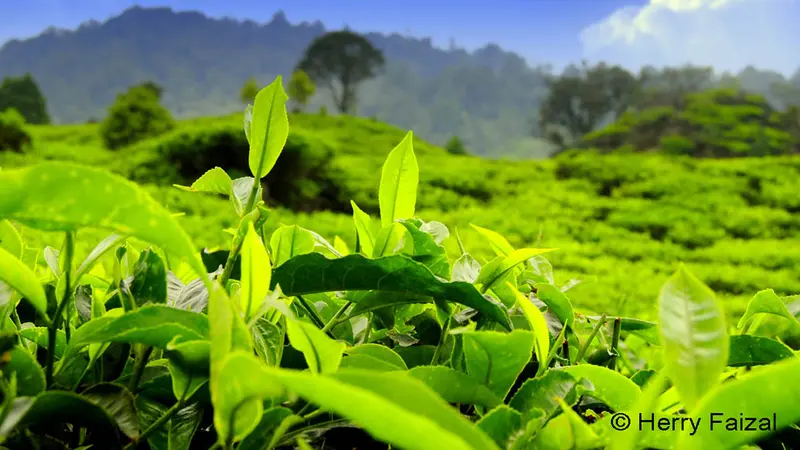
<point x="622" y="222"/>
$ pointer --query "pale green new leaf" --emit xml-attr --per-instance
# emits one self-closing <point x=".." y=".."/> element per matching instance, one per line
<point x="538" y="324"/>
<point x="693" y="335"/>
<point x="768" y="393"/>
<point x="498" y="243"/>
<point x="269" y="128"/>
<point x="17" y="275"/>
<point x="397" y="195"/>
<point x="256" y="273"/>
<point x="363" y="229"/>
<point x="610" y="387"/>
<point x="10" y="239"/>
<point x="59" y="196"/>
<point x="322" y="354"/>
<point x="766" y="302"/>
<point x="289" y="241"/>
<point x="393" y="407"/>
<point x="214" y="181"/>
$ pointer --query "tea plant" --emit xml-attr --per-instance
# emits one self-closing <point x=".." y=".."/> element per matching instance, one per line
<point x="288" y="340"/>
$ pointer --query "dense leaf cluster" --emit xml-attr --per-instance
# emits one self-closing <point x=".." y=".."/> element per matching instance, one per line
<point x="288" y="340"/>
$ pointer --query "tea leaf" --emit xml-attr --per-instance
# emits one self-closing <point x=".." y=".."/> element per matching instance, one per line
<point x="492" y="274"/>
<point x="363" y="229"/>
<point x="322" y="354"/>
<point x="556" y="302"/>
<point x="390" y="240"/>
<point x="17" y="275"/>
<point x="271" y="420"/>
<point x="694" y="336"/>
<point x="455" y="387"/>
<point x="214" y="181"/>
<point x="501" y="424"/>
<point x="238" y="395"/>
<point x="314" y="273"/>
<point x="380" y="352"/>
<point x="496" y="359"/>
<point x="746" y="351"/>
<point x="397" y="195"/>
<point x="765" y="394"/>
<point x="177" y="433"/>
<point x="256" y="273"/>
<point x="610" y="387"/>
<point x="540" y="393"/>
<point x="538" y="324"/>
<point x="269" y="128"/>
<point x="766" y="302"/>
<point x="240" y="193"/>
<point x="149" y="279"/>
<point x="118" y="403"/>
<point x="466" y="268"/>
<point x="45" y="197"/>
<point x="499" y="244"/>
<point x="97" y="252"/>
<point x="568" y="431"/>
<point x="290" y="241"/>
<point x="10" y="239"/>
<point x="391" y="406"/>
<point x="30" y="376"/>
<point x="426" y="250"/>
<point x="66" y="407"/>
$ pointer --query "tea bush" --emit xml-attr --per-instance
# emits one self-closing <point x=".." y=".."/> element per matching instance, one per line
<point x="288" y="340"/>
<point x="135" y="115"/>
<point x="13" y="135"/>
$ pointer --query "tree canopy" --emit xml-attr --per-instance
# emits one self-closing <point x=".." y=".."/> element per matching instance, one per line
<point x="340" y="60"/>
<point x="23" y="94"/>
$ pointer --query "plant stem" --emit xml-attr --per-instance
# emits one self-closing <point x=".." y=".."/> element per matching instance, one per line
<point x="589" y="340"/>
<point x="59" y="315"/>
<point x="312" y="313"/>
<point x="442" y="339"/>
<point x="155" y="425"/>
<point x="615" y="343"/>
<point x="335" y="319"/>
<point x="138" y="369"/>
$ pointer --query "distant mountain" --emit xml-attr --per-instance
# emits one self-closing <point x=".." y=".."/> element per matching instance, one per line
<point x="488" y="97"/>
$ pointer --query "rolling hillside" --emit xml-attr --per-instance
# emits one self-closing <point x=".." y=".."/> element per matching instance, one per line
<point x="615" y="218"/>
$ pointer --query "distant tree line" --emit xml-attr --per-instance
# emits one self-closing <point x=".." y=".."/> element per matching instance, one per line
<point x="685" y="110"/>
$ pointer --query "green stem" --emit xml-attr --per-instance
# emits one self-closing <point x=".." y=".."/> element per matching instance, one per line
<point x="368" y="329"/>
<point x="155" y="425"/>
<point x="83" y="375"/>
<point x="138" y="369"/>
<point x="615" y="343"/>
<point x="59" y="315"/>
<point x="312" y="313"/>
<point x="335" y="319"/>
<point x="442" y="339"/>
<point x="589" y="340"/>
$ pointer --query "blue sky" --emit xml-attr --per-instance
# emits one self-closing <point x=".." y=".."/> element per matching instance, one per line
<point x="728" y="34"/>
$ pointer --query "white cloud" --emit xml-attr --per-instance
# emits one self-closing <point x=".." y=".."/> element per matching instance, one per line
<point x="726" y="34"/>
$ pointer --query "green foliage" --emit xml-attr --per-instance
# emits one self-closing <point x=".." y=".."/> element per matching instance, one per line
<point x="13" y="135"/>
<point x="23" y="94"/>
<point x="343" y="59"/>
<point x="714" y="123"/>
<point x="401" y="346"/>
<point x="300" y="89"/>
<point x="249" y="91"/>
<point x="135" y="115"/>
<point x="455" y="147"/>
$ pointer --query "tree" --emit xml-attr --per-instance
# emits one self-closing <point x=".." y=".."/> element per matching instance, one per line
<point x="13" y="135"/>
<point x="455" y="147"/>
<point x="23" y="94"/>
<point x="135" y="115"/>
<point x="300" y="89"/>
<point x="670" y="86"/>
<point x="583" y="98"/>
<point x="249" y="91"/>
<point x="339" y="61"/>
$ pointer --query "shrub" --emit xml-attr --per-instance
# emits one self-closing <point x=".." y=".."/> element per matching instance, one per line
<point x="300" y="180"/>
<point x="12" y="131"/>
<point x="455" y="147"/>
<point x="135" y="115"/>
<point x="289" y="341"/>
